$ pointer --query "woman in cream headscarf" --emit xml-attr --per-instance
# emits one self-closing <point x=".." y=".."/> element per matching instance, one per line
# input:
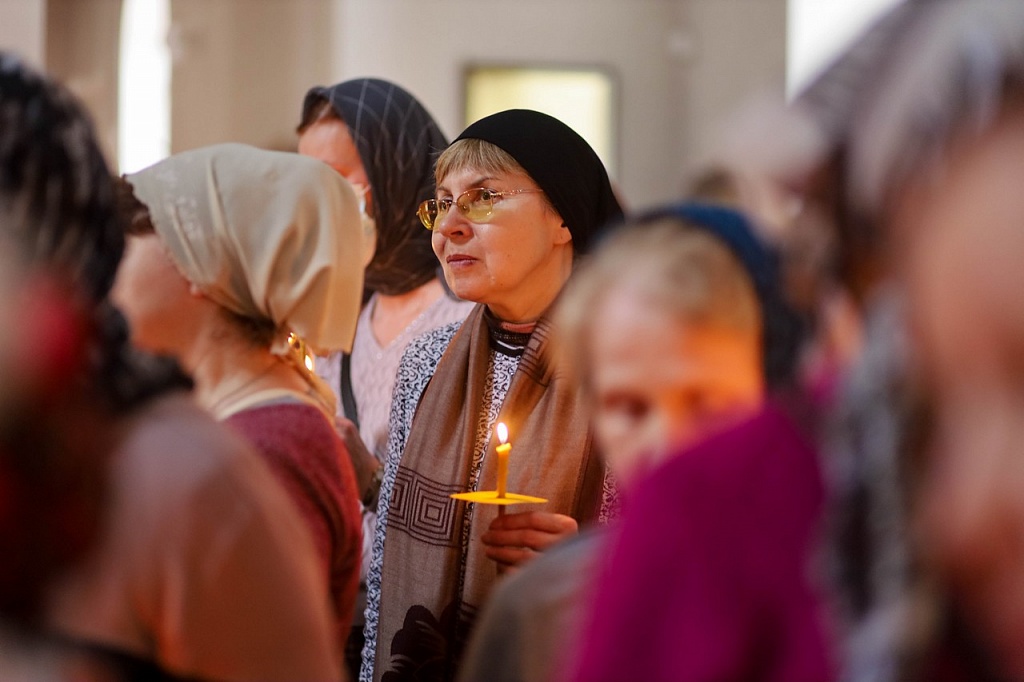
<point x="241" y="257"/>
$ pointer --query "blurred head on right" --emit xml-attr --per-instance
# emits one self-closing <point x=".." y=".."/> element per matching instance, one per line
<point x="665" y="326"/>
<point x="922" y="148"/>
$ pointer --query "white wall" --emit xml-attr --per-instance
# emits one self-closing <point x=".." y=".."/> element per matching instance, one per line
<point x="23" y="29"/>
<point x="739" y="53"/>
<point x="241" y="67"/>
<point x="426" y="46"/>
<point x="677" y="63"/>
<point x="82" y="52"/>
<point x="76" y="42"/>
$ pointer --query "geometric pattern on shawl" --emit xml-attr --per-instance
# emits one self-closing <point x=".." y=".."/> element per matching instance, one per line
<point x="436" y="573"/>
<point x="423" y="508"/>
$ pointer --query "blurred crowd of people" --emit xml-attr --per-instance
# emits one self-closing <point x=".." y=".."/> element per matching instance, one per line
<point x="398" y="408"/>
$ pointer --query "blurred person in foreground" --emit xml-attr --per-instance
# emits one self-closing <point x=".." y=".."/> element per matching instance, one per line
<point x="384" y="141"/>
<point x="934" y="161"/>
<point x="235" y="283"/>
<point x="709" y="575"/>
<point x="519" y="197"/>
<point x="920" y="151"/>
<point x="168" y="586"/>
<point x="695" y="282"/>
<point x="54" y="452"/>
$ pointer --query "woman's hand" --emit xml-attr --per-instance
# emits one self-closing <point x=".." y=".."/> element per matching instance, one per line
<point x="364" y="463"/>
<point x="513" y="539"/>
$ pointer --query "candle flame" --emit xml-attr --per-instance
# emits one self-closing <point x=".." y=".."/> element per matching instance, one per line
<point x="502" y="432"/>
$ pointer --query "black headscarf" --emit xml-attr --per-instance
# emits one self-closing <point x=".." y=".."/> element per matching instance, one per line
<point x="397" y="140"/>
<point x="560" y="162"/>
<point x="57" y="205"/>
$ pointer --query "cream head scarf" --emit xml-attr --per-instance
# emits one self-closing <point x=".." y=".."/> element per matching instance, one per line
<point x="267" y="235"/>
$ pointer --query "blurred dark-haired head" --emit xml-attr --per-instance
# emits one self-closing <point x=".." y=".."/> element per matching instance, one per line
<point x="66" y="370"/>
<point x="56" y="198"/>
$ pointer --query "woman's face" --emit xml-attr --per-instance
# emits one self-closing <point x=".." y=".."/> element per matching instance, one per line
<point x="680" y="384"/>
<point x="960" y="243"/>
<point x="153" y="296"/>
<point x="329" y="141"/>
<point x="516" y="262"/>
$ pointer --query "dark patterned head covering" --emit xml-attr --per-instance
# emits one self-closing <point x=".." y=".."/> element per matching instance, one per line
<point x="397" y="140"/>
<point x="560" y="162"/>
<point x="57" y="206"/>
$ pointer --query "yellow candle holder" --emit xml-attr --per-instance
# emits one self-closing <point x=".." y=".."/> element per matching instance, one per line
<point x="499" y="496"/>
<point x="491" y="497"/>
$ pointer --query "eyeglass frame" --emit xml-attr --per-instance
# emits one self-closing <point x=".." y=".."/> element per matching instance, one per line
<point x="422" y="209"/>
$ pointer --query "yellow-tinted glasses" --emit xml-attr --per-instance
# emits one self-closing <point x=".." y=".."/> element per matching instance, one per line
<point x="476" y="205"/>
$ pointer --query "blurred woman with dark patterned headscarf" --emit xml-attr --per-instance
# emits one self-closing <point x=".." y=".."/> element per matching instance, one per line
<point x="383" y="141"/>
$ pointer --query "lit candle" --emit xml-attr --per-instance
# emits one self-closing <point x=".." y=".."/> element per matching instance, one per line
<point x="503" y="449"/>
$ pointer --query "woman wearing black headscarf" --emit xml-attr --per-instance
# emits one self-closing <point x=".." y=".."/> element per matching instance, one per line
<point x="519" y="197"/>
<point x="383" y="141"/>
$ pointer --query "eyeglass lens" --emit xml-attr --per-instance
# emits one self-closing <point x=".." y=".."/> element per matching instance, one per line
<point x="476" y="204"/>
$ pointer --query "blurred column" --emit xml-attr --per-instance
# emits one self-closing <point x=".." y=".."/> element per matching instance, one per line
<point x="241" y="67"/>
<point x="81" y="50"/>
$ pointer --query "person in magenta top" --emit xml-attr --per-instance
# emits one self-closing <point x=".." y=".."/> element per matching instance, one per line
<point x="708" y="577"/>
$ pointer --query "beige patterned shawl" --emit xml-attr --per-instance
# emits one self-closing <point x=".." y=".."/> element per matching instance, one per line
<point x="429" y="593"/>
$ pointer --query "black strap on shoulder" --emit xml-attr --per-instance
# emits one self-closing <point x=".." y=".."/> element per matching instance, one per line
<point x="348" y="398"/>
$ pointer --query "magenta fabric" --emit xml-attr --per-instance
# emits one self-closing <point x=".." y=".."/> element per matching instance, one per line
<point x="707" y="577"/>
<point x="311" y="461"/>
